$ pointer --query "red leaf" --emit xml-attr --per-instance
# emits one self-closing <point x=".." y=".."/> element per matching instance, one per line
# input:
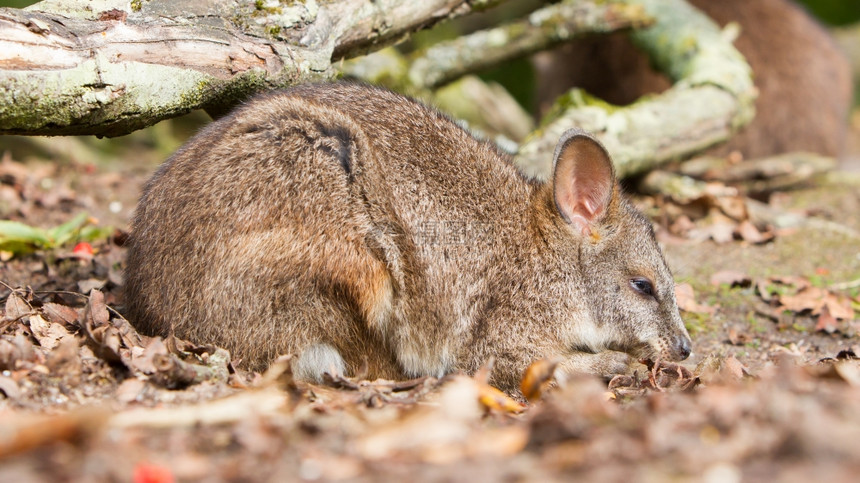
<point x="146" y="473"/>
<point x="83" y="249"/>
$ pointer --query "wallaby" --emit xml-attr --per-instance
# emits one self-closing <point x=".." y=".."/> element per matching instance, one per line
<point x="804" y="81"/>
<point x="363" y="231"/>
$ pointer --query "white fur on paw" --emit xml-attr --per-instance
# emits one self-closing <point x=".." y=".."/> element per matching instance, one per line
<point x="316" y="360"/>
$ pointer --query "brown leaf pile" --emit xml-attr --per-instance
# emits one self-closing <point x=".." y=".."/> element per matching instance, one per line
<point x="84" y="353"/>
<point x="114" y="405"/>
<point x="718" y="213"/>
<point x="833" y="310"/>
<point x="667" y="420"/>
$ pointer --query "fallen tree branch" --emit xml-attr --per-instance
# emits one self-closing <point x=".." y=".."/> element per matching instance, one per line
<point x="680" y="188"/>
<point x="543" y="29"/>
<point x="762" y="175"/>
<point x="713" y="96"/>
<point x="782" y="219"/>
<point x="111" y="67"/>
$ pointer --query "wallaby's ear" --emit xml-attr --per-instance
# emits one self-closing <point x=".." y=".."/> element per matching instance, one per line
<point x="583" y="179"/>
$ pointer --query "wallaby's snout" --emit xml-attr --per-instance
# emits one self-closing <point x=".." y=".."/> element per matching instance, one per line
<point x="671" y="347"/>
<point x="675" y="345"/>
<point x="682" y="347"/>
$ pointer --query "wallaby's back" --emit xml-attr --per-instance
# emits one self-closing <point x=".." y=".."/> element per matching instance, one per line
<point x="293" y="225"/>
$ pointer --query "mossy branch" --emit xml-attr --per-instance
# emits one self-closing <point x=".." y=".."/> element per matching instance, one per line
<point x="713" y="96"/>
<point x="544" y="28"/>
<point x="109" y="67"/>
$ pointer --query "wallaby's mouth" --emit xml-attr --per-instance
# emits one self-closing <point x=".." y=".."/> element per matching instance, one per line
<point x="642" y="350"/>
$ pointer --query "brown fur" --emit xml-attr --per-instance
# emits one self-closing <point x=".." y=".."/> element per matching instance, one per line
<point x="804" y="81"/>
<point x="341" y="217"/>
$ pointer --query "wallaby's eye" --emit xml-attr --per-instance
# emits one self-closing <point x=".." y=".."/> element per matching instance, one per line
<point x="642" y="286"/>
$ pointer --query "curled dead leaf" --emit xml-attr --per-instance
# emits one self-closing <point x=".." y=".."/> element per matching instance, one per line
<point x="748" y="232"/>
<point x="49" y="334"/>
<point x="734" y="207"/>
<point x="815" y="299"/>
<point x="60" y="314"/>
<point x="537" y="378"/>
<point x="495" y="400"/>
<point x="733" y="368"/>
<point x="103" y="339"/>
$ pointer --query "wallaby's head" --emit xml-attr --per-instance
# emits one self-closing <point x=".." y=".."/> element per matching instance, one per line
<point x="628" y="289"/>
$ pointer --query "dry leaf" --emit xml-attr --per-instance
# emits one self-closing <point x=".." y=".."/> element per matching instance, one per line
<point x="104" y="339"/>
<point x="735" y="207"/>
<point x="849" y="371"/>
<point x="40" y="430"/>
<point x="90" y="285"/>
<point x="733" y="367"/>
<point x="9" y="387"/>
<point x="814" y="299"/>
<point x="66" y="359"/>
<point x="731" y="278"/>
<point x="97" y="310"/>
<point x="49" y="334"/>
<point x="60" y="314"/>
<point x="748" y="232"/>
<point x="495" y="400"/>
<point x="682" y="225"/>
<point x="826" y="322"/>
<point x="838" y="306"/>
<point x="719" y="232"/>
<point x="142" y="357"/>
<point x="810" y="298"/>
<point x="18" y="349"/>
<point x="16" y="307"/>
<point x="799" y="283"/>
<point x="687" y="300"/>
<point x="738" y="338"/>
<point x="537" y="378"/>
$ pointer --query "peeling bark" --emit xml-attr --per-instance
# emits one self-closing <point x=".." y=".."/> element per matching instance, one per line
<point x="110" y="67"/>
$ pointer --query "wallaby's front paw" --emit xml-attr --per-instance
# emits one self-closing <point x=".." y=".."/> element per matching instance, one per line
<point x="604" y="364"/>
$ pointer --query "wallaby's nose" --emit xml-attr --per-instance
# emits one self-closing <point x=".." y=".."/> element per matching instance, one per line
<point x="683" y="348"/>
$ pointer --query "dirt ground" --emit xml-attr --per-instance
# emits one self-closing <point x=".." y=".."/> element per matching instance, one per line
<point x="772" y="390"/>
